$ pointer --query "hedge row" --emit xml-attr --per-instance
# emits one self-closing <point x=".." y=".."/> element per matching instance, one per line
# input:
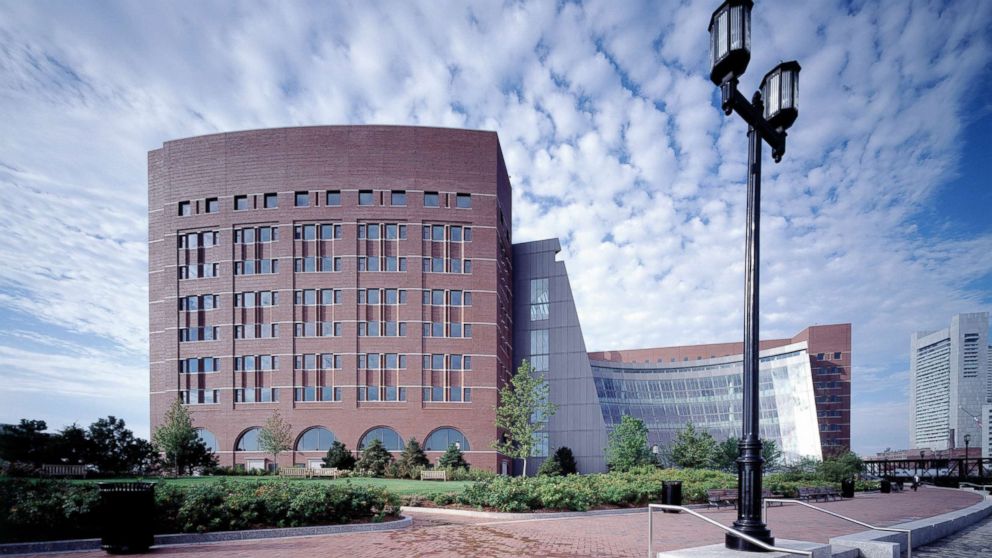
<point x="34" y="510"/>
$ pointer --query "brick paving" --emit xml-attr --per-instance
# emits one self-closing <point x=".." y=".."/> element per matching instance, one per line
<point x="434" y="535"/>
<point x="968" y="543"/>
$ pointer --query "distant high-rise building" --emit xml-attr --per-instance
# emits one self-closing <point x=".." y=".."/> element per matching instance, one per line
<point x="950" y="382"/>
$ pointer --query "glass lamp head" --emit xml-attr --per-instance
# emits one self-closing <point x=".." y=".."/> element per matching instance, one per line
<point x="780" y="92"/>
<point x="730" y="40"/>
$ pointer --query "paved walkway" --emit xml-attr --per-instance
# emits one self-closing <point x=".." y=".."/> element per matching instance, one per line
<point x="968" y="543"/>
<point x="623" y="535"/>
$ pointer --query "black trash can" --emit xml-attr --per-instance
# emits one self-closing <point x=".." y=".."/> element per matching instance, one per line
<point x="127" y="516"/>
<point x="847" y="488"/>
<point x="671" y="494"/>
<point x="886" y="486"/>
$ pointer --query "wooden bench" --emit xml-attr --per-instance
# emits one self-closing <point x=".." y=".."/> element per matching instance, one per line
<point x="440" y="475"/>
<point x="332" y="472"/>
<point x="721" y="497"/>
<point x="830" y="493"/>
<point x="295" y="472"/>
<point x="63" y="470"/>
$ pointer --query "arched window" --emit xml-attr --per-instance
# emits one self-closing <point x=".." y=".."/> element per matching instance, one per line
<point x="440" y="439"/>
<point x="390" y="439"/>
<point x="208" y="439"/>
<point x="249" y="440"/>
<point x="317" y="438"/>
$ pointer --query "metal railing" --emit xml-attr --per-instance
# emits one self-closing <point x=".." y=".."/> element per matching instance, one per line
<point x="734" y="532"/>
<point x="909" y="533"/>
<point x="978" y="486"/>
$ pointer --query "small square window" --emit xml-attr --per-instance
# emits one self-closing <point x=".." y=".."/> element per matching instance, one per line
<point x="836" y="356"/>
<point x="271" y="201"/>
<point x="463" y="201"/>
<point x="185" y="209"/>
<point x="365" y="197"/>
<point x="432" y="199"/>
<point x="397" y="197"/>
<point x="333" y="197"/>
<point x="302" y="199"/>
<point x="212" y="205"/>
<point x="240" y="203"/>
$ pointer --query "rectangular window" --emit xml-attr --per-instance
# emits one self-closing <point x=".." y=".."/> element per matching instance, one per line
<point x="302" y="199"/>
<point x="539" y="299"/>
<point x="463" y="201"/>
<point x="213" y="206"/>
<point x="432" y="199"/>
<point x="397" y="197"/>
<point x="240" y="203"/>
<point x="270" y="201"/>
<point x="333" y="197"/>
<point x="365" y="197"/>
<point x="185" y="209"/>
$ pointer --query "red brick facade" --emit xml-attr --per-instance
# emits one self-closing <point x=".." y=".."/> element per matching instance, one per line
<point x="218" y="173"/>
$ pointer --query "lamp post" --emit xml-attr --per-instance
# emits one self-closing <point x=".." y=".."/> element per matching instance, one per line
<point x="769" y="114"/>
<point x="967" y="441"/>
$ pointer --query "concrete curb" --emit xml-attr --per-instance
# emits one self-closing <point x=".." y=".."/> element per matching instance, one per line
<point x="517" y="516"/>
<point x="222" y="536"/>
<point x="882" y="544"/>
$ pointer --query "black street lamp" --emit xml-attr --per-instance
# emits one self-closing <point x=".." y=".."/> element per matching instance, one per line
<point x="967" y="441"/>
<point x="771" y="112"/>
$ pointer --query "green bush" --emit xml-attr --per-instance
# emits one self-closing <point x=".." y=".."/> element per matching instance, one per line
<point x="34" y="510"/>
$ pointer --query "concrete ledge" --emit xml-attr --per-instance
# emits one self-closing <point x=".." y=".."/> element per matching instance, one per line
<point x="819" y="550"/>
<point x="884" y="544"/>
<point x="197" y="538"/>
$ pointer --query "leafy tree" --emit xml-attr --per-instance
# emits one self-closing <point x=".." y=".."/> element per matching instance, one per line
<point x="72" y="445"/>
<point x="452" y="458"/>
<point x="560" y="464"/>
<point x="338" y="457"/>
<point x="726" y="454"/>
<point x="413" y="456"/>
<point x="26" y="442"/>
<point x="114" y="450"/>
<point x="276" y="436"/>
<point x="693" y="449"/>
<point x="523" y="410"/>
<point x="375" y="459"/>
<point x="803" y="468"/>
<point x="177" y="439"/>
<point x="844" y="466"/>
<point x="628" y="445"/>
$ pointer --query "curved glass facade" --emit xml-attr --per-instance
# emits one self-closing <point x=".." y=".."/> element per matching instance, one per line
<point x="708" y="393"/>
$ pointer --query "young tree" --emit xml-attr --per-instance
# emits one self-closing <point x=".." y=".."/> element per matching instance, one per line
<point x="523" y="410"/>
<point x="114" y="450"/>
<point x="177" y="439"/>
<point x="727" y="452"/>
<point x="452" y="458"/>
<point x="338" y="457"/>
<point x="276" y="436"/>
<point x="771" y="454"/>
<point x="628" y="445"/>
<point x="693" y="449"/>
<point x="842" y="467"/>
<point x="560" y="464"/>
<point x="413" y="456"/>
<point x="375" y="459"/>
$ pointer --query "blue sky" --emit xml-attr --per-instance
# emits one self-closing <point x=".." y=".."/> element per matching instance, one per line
<point x="879" y="215"/>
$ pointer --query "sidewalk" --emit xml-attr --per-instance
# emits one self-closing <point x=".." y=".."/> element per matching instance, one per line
<point x="605" y="535"/>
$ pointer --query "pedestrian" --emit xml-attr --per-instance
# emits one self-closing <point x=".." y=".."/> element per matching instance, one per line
<point x="916" y="482"/>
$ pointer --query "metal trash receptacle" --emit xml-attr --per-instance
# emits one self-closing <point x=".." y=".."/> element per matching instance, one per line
<point x="127" y="516"/>
<point x="885" y="486"/>
<point x="847" y="488"/>
<point x="671" y="494"/>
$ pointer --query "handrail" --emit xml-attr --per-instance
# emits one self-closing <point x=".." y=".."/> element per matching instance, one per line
<point x="734" y="532"/>
<point x="909" y="533"/>
<point x="973" y="485"/>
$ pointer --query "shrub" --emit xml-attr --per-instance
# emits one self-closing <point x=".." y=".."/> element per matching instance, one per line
<point x="375" y="459"/>
<point x="413" y="457"/>
<point x="34" y="510"/>
<point x="452" y="459"/>
<point x="561" y="463"/>
<point x="338" y="456"/>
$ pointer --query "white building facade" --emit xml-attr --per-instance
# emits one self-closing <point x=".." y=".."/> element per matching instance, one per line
<point x="950" y="384"/>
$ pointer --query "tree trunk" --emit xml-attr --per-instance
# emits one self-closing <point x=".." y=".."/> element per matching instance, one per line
<point x="524" y="474"/>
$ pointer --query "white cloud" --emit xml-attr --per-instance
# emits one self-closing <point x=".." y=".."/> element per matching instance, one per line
<point x="608" y="123"/>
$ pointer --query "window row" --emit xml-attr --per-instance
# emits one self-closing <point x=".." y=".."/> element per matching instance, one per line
<point x="447" y="362"/>
<point x="381" y="393"/>
<point x="440" y="297"/>
<point x="198" y="270"/>
<point x="376" y="231"/>
<point x="447" y="265"/>
<point x="252" y="363"/>
<point x="381" y="263"/>
<point x="385" y="328"/>
<point x="256" y="395"/>
<point x="455" y="394"/>
<point x="318" y="329"/>
<point x="193" y="303"/>
<point x="202" y="239"/>
<point x="321" y="439"/>
<point x="251" y="235"/>
<point x="196" y="365"/>
<point x="308" y="297"/>
<point x="447" y="329"/>
<point x="451" y="233"/>
<point x="256" y="267"/>
<point x="323" y="264"/>
<point x="316" y="393"/>
<point x="256" y="331"/>
<point x="371" y="328"/>
<point x="208" y="333"/>
<point x="387" y="361"/>
<point x="327" y="361"/>
<point x="321" y="231"/>
<point x="381" y="296"/>
<point x="251" y="299"/>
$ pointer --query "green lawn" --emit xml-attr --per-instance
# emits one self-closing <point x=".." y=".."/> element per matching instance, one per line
<point x="401" y="487"/>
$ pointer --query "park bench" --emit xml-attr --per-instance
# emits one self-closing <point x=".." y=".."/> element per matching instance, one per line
<point x="830" y="493"/>
<point x="63" y="470"/>
<point x="332" y="472"/>
<point x="721" y="497"/>
<point x="440" y="475"/>
<point x="294" y="472"/>
<point x="769" y="494"/>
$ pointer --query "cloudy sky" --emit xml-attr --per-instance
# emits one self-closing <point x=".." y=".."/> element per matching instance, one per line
<point x="879" y="215"/>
